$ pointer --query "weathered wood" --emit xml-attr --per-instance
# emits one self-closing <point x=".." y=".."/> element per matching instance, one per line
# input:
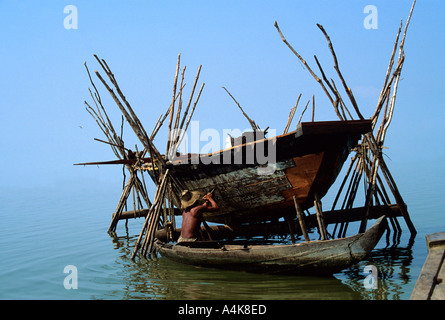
<point x="246" y="194"/>
<point x="122" y="161"/>
<point x="151" y="220"/>
<point x="305" y="64"/>
<point x="125" y="215"/>
<point x="337" y="68"/>
<point x="333" y="127"/>
<point x="302" y="113"/>
<point x="291" y="116"/>
<point x="301" y="220"/>
<point x="172" y="109"/>
<point x="320" y="220"/>
<point x="429" y="285"/>
<point x="306" y="257"/>
<point x="439" y="289"/>
<point x="252" y="123"/>
<point x="121" y="203"/>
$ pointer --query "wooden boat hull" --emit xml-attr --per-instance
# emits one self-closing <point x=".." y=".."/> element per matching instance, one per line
<point x="314" y="257"/>
<point x="307" y="162"/>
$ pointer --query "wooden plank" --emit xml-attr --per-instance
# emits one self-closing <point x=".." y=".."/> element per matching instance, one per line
<point x="305" y="170"/>
<point x="427" y="280"/>
<point x="435" y="239"/>
<point x="439" y="289"/>
<point x="333" y="127"/>
<point x="225" y="231"/>
<point x="430" y="285"/>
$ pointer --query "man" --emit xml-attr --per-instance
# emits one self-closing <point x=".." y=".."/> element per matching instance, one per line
<point x="192" y="214"/>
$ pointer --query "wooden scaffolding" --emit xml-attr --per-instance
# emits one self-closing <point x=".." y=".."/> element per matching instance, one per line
<point x="367" y="164"/>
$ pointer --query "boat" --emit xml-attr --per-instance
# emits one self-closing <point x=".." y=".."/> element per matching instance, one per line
<point x="253" y="186"/>
<point x="320" y="257"/>
<point x="305" y="163"/>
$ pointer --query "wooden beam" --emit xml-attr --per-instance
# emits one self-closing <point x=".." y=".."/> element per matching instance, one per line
<point x="320" y="220"/>
<point x="429" y="285"/>
<point x="282" y="228"/>
<point x="140" y="213"/>
<point x="301" y="220"/>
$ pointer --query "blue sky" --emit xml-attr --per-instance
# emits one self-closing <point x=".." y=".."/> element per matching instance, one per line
<point x="44" y="127"/>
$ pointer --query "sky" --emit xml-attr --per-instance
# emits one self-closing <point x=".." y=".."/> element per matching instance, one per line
<point x="45" y="129"/>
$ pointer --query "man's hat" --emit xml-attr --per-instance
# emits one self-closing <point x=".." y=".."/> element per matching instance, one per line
<point x="189" y="198"/>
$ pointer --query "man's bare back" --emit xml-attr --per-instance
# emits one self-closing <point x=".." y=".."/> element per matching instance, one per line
<point x="192" y="218"/>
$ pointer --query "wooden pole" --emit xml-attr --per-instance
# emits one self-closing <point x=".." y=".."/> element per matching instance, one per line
<point x="337" y="68"/>
<point x="190" y="116"/>
<point x="301" y="220"/>
<point x="313" y="108"/>
<point x="151" y="214"/>
<point x="291" y="116"/>
<point x="121" y="203"/>
<point x="304" y="62"/>
<point x="302" y="113"/>
<point x="252" y="123"/>
<point x="319" y="212"/>
<point x="172" y="109"/>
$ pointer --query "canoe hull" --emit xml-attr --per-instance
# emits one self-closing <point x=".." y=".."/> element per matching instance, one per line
<point x="314" y="257"/>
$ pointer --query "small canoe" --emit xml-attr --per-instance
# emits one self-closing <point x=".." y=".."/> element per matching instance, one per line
<point x="314" y="257"/>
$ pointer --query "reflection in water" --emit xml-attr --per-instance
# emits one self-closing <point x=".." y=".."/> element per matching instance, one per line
<point x="164" y="279"/>
<point x="393" y="263"/>
<point x="36" y="247"/>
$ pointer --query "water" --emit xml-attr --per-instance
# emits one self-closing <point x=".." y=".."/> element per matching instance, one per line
<point x="44" y="230"/>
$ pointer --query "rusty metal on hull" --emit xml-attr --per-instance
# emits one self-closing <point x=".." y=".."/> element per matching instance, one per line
<point x="307" y="162"/>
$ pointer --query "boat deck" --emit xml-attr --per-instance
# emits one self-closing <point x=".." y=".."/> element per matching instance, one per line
<point x="430" y="285"/>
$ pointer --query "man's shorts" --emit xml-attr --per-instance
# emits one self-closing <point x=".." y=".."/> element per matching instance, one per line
<point x="181" y="239"/>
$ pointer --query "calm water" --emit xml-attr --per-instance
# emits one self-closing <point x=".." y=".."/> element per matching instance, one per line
<point x="44" y="230"/>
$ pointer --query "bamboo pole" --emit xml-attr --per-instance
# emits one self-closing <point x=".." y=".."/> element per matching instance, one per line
<point x="172" y="109"/>
<point x="304" y="62"/>
<point x="252" y="123"/>
<point x="161" y="120"/>
<point x="301" y="220"/>
<point x="319" y="212"/>
<point x="388" y="73"/>
<point x="190" y="116"/>
<point x="121" y="203"/>
<point x="291" y="116"/>
<point x="337" y="68"/>
<point x="302" y="113"/>
<point x="333" y="89"/>
<point x="154" y="221"/>
<point x="190" y="99"/>
<point x="179" y="133"/>
<point x="151" y="214"/>
<point x="313" y="107"/>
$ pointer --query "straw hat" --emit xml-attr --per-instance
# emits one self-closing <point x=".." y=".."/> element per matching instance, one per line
<point x="189" y="198"/>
